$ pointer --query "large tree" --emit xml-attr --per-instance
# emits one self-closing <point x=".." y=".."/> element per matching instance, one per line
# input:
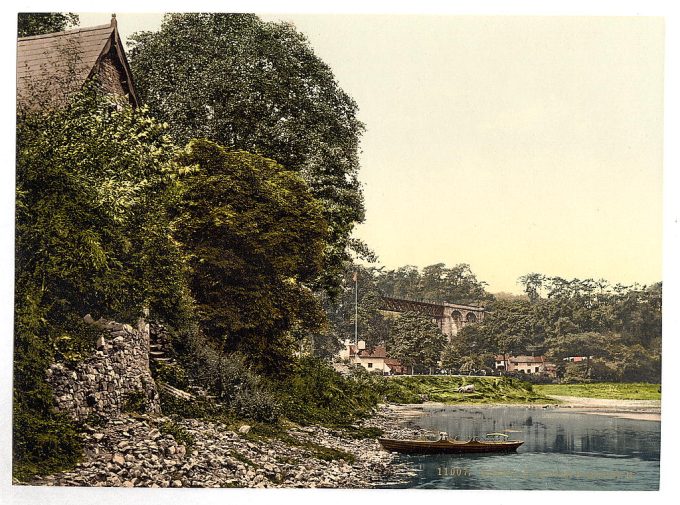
<point x="39" y="23"/>
<point x="457" y="284"/>
<point x="416" y="341"/>
<point x="258" y="86"/>
<point x="255" y="237"/>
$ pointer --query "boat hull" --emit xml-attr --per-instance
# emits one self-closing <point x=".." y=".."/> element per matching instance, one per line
<point x="448" y="446"/>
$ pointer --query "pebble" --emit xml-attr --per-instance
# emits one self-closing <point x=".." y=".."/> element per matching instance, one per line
<point x="133" y="452"/>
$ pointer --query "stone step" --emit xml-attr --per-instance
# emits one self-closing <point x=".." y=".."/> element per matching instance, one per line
<point x="167" y="361"/>
<point x="156" y="354"/>
<point x="177" y="393"/>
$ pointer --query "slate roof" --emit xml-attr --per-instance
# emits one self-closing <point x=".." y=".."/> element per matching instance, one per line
<point x="58" y="64"/>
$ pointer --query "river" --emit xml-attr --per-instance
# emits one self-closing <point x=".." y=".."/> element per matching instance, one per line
<point x="562" y="450"/>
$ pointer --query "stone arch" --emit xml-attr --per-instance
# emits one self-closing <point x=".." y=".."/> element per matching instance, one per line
<point x="471" y="317"/>
<point x="456" y="316"/>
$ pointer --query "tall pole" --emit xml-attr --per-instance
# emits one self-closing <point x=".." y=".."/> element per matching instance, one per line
<point x="356" y="310"/>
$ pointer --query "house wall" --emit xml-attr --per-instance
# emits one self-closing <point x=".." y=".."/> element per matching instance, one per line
<point x="378" y="363"/>
<point x="112" y="76"/>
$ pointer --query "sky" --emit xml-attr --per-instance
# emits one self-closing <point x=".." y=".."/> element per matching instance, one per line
<point x="515" y="144"/>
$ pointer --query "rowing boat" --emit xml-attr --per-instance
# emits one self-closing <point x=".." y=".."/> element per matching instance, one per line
<point x="446" y="446"/>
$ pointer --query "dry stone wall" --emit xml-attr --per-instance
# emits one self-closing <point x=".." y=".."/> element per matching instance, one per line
<point x="113" y="377"/>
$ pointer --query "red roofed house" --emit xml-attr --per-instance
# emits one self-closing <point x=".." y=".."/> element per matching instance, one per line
<point x="373" y="360"/>
<point x="51" y="68"/>
<point x="576" y="359"/>
<point x="524" y="364"/>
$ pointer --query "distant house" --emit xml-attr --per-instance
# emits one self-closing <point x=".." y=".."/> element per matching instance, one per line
<point x="394" y="367"/>
<point x="576" y="359"/>
<point x="373" y="360"/>
<point x="51" y="68"/>
<point x="524" y="364"/>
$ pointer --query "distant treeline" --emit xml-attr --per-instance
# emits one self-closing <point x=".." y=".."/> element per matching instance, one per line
<point x="620" y="326"/>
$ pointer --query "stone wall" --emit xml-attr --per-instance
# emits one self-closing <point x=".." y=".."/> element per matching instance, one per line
<point x="109" y="379"/>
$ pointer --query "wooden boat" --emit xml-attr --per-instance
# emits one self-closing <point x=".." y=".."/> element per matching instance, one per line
<point x="446" y="446"/>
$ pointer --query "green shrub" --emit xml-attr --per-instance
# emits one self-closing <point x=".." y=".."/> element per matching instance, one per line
<point x="134" y="402"/>
<point x="180" y="435"/>
<point x="315" y="393"/>
<point x="43" y="444"/>
<point x="415" y="389"/>
<point x="194" y="409"/>
<point x="175" y="375"/>
<point x="228" y="377"/>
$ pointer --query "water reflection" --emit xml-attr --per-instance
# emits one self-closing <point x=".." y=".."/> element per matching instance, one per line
<point x="562" y="450"/>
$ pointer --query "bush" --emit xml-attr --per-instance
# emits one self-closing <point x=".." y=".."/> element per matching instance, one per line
<point x="231" y="380"/>
<point x="43" y="444"/>
<point x="532" y="378"/>
<point x="315" y="393"/>
<point x="134" y="402"/>
<point x="174" y="374"/>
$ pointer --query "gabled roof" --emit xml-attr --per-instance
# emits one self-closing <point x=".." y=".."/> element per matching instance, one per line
<point x="377" y="352"/>
<point x="58" y="64"/>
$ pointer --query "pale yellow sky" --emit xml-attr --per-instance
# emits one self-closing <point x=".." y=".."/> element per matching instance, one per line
<point x="514" y="144"/>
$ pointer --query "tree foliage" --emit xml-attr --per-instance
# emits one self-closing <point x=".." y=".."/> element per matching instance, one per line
<point x="436" y="282"/>
<point x="93" y="191"/>
<point x="39" y="23"/>
<point x="93" y="188"/>
<point x="416" y="340"/>
<point x="255" y="238"/>
<point x="579" y="318"/>
<point x="256" y="86"/>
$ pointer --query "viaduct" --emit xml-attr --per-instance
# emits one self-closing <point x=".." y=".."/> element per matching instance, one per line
<point x="450" y="317"/>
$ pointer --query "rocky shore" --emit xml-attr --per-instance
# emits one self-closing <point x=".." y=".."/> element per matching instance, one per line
<point x="141" y="451"/>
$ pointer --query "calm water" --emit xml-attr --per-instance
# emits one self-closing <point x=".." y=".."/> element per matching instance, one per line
<point x="562" y="450"/>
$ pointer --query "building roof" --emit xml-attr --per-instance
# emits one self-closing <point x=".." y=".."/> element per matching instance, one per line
<point x="527" y="359"/>
<point x="377" y="352"/>
<point x="58" y="64"/>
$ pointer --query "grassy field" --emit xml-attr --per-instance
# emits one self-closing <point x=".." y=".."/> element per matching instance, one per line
<point x="609" y="390"/>
<point x="416" y="389"/>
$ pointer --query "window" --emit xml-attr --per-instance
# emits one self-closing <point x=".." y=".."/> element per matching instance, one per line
<point x="536" y="369"/>
<point x="370" y="365"/>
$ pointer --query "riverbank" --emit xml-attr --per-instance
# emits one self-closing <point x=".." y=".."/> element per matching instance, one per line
<point x="146" y="451"/>
<point x="151" y="451"/>
<point x="644" y="410"/>
<point x="449" y="389"/>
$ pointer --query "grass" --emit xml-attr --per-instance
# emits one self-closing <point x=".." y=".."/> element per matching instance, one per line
<point x="325" y="453"/>
<point x="415" y="389"/>
<point x="607" y="390"/>
<point x="264" y="431"/>
<point x="181" y="435"/>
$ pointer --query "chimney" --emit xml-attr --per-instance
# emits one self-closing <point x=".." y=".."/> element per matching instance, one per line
<point x="361" y="345"/>
<point x="114" y="23"/>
